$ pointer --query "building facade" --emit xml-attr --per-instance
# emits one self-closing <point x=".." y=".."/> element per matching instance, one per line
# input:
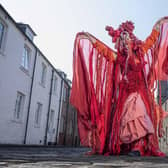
<point x="163" y="142"/>
<point x="32" y="91"/>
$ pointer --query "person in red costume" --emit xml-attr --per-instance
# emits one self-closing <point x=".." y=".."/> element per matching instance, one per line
<point x="113" y="91"/>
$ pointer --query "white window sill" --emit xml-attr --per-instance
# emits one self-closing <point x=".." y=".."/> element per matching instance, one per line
<point x="2" y="52"/>
<point x="18" y="121"/>
<point x="42" y="84"/>
<point x="36" y="126"/>
<point x="51" y="131"/>
<point x="25" y="70"/>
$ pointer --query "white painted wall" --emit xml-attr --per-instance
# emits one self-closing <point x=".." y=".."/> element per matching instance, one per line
<point x="13" y="79"/>
<point x="55" y="103"/>
<point x="40" y="94"/>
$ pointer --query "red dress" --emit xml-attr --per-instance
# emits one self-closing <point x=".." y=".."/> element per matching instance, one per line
<point x="115" y="97"/>
<point x="133" y="119"/>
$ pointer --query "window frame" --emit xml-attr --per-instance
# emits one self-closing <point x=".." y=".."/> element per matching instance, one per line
<point x="26" y="58"/>
<point x="18" y="112"/>
<point x="167" y="89"/>
<point x="51" y="121"/>
<point x="38" y="114"/>
<point x="65" y="93"/>
<point x="43" y="74"/>
<point x="55" y="83"/>
<point x="166" y="135"/>
<point x="4" y="36"/>
<point x="1" y="35"/>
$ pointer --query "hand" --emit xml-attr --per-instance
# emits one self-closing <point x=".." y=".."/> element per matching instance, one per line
<point x="86" y="35"/>
<point x="92" y="39"/>
<point x="160" y="22"/>
<point x="157" y="26"/>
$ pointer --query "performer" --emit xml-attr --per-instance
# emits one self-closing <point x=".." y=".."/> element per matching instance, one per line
<point x="113" y="91"/>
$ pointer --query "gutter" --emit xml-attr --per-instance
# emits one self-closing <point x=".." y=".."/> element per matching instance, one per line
<point x="49" y="105"/>
<point x="30" y="97"/>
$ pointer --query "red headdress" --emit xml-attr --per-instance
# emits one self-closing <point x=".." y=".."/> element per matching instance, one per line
<point x="127" y="26"/>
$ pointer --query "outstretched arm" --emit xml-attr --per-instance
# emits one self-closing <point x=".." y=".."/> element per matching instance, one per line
<point x="107" y="52"/>
<point x="85" y="35"/>
<point x="151" y="40"/>
<point x="159" y="23"/>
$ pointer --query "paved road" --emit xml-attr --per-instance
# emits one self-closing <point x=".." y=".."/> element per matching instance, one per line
<point x="50" y="157"/>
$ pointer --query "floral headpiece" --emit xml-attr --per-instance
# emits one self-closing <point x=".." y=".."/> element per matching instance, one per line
<point x="127" y="26"/>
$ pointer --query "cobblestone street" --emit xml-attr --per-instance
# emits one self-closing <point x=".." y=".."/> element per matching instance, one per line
<point x="46" y="157"/>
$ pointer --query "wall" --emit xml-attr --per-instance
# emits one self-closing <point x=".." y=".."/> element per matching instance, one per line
<point x="163" y="142"/>
<point x="40" y="94"/>
<point x="56" y="106"/>
<point x="13" y="79"/>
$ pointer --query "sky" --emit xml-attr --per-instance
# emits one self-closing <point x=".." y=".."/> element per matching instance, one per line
<point x="56" y="22"/>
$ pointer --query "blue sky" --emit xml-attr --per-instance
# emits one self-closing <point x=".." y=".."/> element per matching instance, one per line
<point x="56" y="22"/>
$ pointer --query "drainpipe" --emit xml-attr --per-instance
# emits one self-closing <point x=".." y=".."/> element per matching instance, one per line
<point x="30" y="97"/>
<point x="49" y="105"/>
<point x="73" y="133"/>
<point x="59" y="111"/>
<point x="66" y="121"/>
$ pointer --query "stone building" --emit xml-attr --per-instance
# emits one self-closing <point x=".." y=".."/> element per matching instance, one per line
<point x="32" y="91"/>
<point x="163" y="142"/>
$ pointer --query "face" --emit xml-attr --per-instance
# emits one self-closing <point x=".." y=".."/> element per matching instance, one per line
<point x="122" y="41"/>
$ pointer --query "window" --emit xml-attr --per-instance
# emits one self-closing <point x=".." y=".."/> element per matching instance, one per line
<point x="38" y="114"/>
<point x="26" y="58"/>
<point x="51" y="121"/>
<point x="62" y="124"/>
<point x="167" y="89"/>
<point x="29" y="34"/>
<point x="19" y="106"/>
<point x="43" y="74"/>
<point x="2" y="31"/>
<point x="166" y="135"/>
<point x="55" y="85"/>
<point x="70" y="130"/>
<point x="65" y="93"/>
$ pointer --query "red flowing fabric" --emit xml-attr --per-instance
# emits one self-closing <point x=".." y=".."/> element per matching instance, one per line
<point x="161" y="64"/>
<point x="92" y="93"/>
<point x="98" y="101"/>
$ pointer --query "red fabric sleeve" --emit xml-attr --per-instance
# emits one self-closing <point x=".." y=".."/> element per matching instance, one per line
<point x="92" y="93"/>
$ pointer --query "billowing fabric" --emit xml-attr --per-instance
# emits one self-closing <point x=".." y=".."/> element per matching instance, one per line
<point x="114" y="96"/>
<point x="92" y="92"/>
<point x="161" y="64"/>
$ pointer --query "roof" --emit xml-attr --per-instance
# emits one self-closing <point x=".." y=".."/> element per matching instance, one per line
<point x="27" y="25"/>
<point x="17" y="26"/>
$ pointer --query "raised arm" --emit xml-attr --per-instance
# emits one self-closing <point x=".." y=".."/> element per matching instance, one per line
<point x="103" y="49"/>
<point x="150" y="41"/>
<point x="153" y="37"/>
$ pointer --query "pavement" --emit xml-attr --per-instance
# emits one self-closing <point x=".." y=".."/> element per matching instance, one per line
<point x="64" y="157"/>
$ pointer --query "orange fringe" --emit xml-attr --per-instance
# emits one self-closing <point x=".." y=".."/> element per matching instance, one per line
<point x="105" y="51"/>
<point x="150" y="40"/>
